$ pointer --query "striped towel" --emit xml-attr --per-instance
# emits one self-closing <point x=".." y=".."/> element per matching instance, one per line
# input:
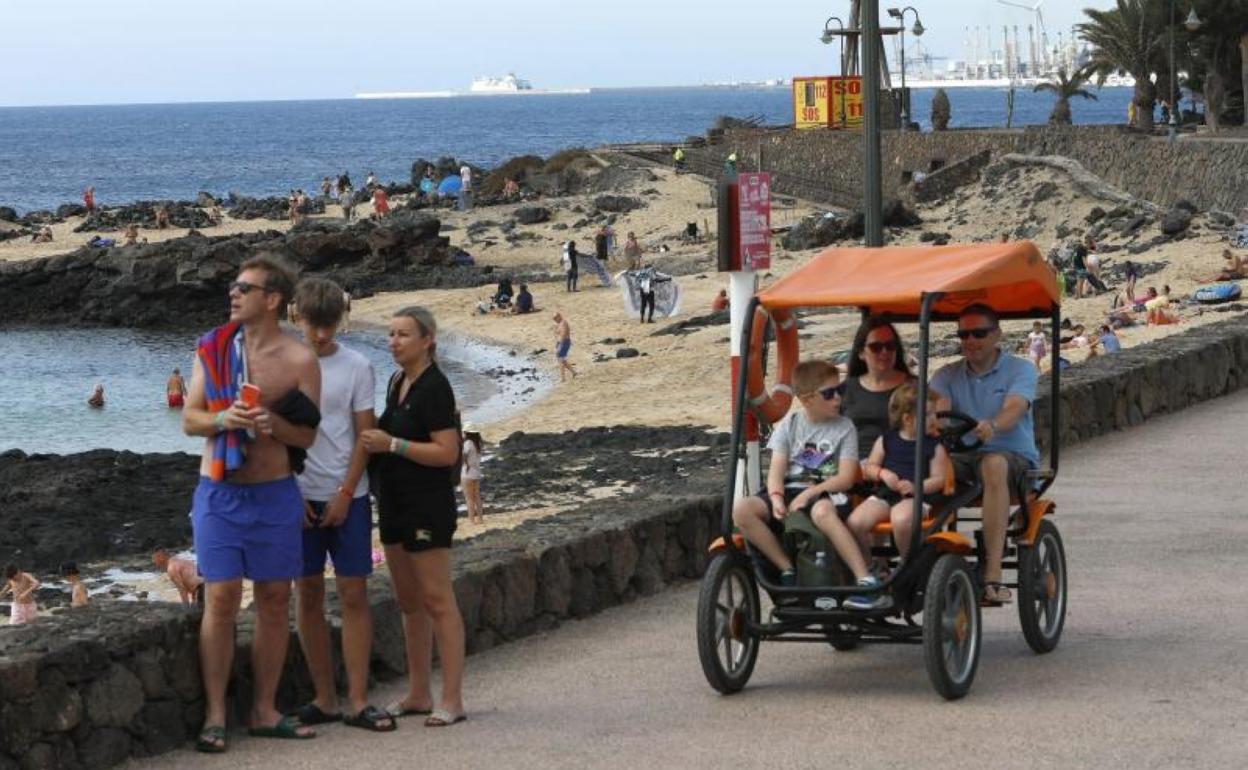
<point x="220" y="353"/>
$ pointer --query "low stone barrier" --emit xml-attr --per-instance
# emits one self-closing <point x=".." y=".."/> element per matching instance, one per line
<point x="112" y="684"/>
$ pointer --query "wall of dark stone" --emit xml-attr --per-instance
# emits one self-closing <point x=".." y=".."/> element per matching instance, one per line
<point x="108" y="683"/>
<point x="827" y="165"/>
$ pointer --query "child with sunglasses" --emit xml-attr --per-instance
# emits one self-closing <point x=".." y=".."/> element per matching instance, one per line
<point x="891" y="467"/>
<point x="814" y="461"/>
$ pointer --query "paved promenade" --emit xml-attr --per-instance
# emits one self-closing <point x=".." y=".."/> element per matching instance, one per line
<point x="1152" y="670"/>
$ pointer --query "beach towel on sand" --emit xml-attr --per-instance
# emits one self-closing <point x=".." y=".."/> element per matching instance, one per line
<point x="221" y="355"/>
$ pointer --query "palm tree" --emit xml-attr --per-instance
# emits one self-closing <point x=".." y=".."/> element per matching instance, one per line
<point x="1127" y="38"/>
<point x="1066" y="87"/>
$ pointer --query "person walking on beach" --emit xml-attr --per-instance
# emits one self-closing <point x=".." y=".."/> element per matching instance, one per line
<point x="381" y="203"/>
<point x="346" y="198"/>
<point x="88" y="200"/>
<point x="465" y="187"/>
<point x="247" y="511"/>
<point x="470" y="476"/>
<point x="600" y="244"/>
<point x="632" y="251"/>
<point x="22" y="586"/>
<point x="175" y="390"/>
<point x="413" y="452"/>
<point x="338" y="517"/>
<point x="572" y="271"/>
<point x="370" y="181"/>
<point x="563" y="344"/>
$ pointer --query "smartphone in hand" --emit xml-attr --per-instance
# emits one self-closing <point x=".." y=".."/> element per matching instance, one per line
<point x="250" y="395"/>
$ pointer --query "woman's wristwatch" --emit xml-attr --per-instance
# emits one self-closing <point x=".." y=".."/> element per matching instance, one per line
<point x="394" y="446"/>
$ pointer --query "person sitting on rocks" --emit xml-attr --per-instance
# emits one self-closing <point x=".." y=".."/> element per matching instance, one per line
<point x="524" y="301"/>
<point x="22" y="586"/>
<point x="215" y="215"/>
<point x="182" y="573"/>
<point x="502" y="296"/>
<point x="43" y="236"/>
<point x="78" y="591"/>
<point x="1109" y="341"/>
<point x="131" y="236"/>
<point x="96" y="401"/>
<point x="162" y="218"/>
<point x="511" y="190"/>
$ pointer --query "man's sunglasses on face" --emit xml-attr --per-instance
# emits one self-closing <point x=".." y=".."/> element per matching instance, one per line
<point x="880" y="347"/>
<point x="978" y="334"/>
<point x="242" y="287"/>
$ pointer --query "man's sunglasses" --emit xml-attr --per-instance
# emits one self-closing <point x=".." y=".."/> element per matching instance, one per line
<point x="243" y="287"/>
<point x="879" y="347"/>
<point x="832" y="392"/>
<point x="978" y="334"/>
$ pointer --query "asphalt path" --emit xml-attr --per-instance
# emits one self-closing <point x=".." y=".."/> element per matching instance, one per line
<point x="1152" y="670"/>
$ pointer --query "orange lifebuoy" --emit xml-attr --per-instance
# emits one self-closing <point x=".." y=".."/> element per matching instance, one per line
<point x="774" y="405"/>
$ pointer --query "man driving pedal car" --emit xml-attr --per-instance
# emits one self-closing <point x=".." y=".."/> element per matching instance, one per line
<point x="814" y="461"/>
<point x="996" y="388"/>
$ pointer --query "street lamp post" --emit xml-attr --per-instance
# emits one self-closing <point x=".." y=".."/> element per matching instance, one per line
<point x="900" y="16"/>
<point x="1192" y="23"/>
<point x="826" y="39"/>
<point x="873" y="203"/>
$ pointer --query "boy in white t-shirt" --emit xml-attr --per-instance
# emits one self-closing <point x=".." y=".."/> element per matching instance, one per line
<point x="814" y="462"/>
<point x="338" y="515"/>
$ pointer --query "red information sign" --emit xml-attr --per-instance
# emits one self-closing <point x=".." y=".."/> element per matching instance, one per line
<point x="754" y="210"/>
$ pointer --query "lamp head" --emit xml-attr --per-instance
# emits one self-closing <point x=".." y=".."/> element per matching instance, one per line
<point x="1192" y="22"/>
<point x="918" y="29"/>
<point x="827" y="37"/>
<point x="894" y="12"/>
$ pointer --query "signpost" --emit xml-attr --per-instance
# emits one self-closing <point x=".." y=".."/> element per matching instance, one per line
<point x="744" y="247"/>
<point x="827" y="102"/>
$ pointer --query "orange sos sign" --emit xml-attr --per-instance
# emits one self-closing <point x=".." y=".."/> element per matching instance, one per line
<point x="827" y="102"/>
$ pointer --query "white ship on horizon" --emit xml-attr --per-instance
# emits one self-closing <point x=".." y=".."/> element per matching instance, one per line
<point x="508" y="84"/>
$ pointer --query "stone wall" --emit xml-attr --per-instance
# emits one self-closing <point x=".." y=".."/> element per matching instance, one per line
<point x="827" y="165"/>
<point x="109" y="684"/>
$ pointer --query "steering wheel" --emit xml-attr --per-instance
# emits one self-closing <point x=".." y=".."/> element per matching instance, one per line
<point x="955" y="427"/>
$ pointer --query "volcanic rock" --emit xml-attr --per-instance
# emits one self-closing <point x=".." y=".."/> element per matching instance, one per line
<point x="532" y="215"/>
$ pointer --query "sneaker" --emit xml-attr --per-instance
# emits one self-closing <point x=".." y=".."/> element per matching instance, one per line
<point x="876" y="601"/>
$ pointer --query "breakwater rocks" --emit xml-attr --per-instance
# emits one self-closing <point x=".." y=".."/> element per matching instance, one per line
<point x="182" y="283"/>
<point x="92" y="505"/>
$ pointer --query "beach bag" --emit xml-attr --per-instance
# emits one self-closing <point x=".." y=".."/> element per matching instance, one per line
<point x="804" y="542"/>
<point x="457" y="470"/>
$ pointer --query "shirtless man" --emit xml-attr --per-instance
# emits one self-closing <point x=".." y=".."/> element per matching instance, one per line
<point x="563" y="343"/>
<point x="22" y="585"/>
<point x="96" y="401"/>
<point x="248" y="524"/>
<point x="182" y="573"/>
<point x="175" y="390"/>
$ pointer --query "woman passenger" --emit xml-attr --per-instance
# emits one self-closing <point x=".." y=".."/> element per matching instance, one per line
<point x="877" y="367"/>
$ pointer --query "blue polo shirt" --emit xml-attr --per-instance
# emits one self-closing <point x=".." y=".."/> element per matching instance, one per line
<point x="982" y="395"/>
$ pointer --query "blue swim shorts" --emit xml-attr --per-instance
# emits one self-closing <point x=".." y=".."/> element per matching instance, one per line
<point x="561" y="352"/>
<point x="248" y="530"/>
<point x="349" y="545"/>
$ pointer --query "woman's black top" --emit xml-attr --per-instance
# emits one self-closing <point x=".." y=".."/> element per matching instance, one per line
<point x="428" y="407"/>
<point x="869" y="412"/>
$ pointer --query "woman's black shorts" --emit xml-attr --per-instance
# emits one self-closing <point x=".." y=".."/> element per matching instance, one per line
<point x="419" y="522"/>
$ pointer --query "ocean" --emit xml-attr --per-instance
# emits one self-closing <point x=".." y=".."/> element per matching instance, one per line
<point x="48" y="155"/>
<point x="49" y="373"/>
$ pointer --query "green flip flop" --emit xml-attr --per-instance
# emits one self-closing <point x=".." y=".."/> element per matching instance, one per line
<point x="286" y="728"/>
<point x="211" y="740"/>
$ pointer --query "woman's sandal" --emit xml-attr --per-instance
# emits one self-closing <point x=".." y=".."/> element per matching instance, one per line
<point x="312" y="714"/>
<point x="211" y="740"/>
<point x="286" y="728"/>
<point x="372" y="718"/>
<point x="995" y="594"/>
<point x="444" y="718"/>
<point x="397" y="710"/>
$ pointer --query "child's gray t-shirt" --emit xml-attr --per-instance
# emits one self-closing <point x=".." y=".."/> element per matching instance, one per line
<point x="814" y="449"/>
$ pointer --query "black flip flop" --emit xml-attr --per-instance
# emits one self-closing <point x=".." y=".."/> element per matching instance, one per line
<point x="211" y="740"/>
<point x="311" y="714"/>
<point x="372" y="718"/>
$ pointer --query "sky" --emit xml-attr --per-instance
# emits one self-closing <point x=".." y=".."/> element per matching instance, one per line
<point x="145" y="51"/>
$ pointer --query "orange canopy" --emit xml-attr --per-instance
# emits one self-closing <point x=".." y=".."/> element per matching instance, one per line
<point x="1011" y="278"/>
